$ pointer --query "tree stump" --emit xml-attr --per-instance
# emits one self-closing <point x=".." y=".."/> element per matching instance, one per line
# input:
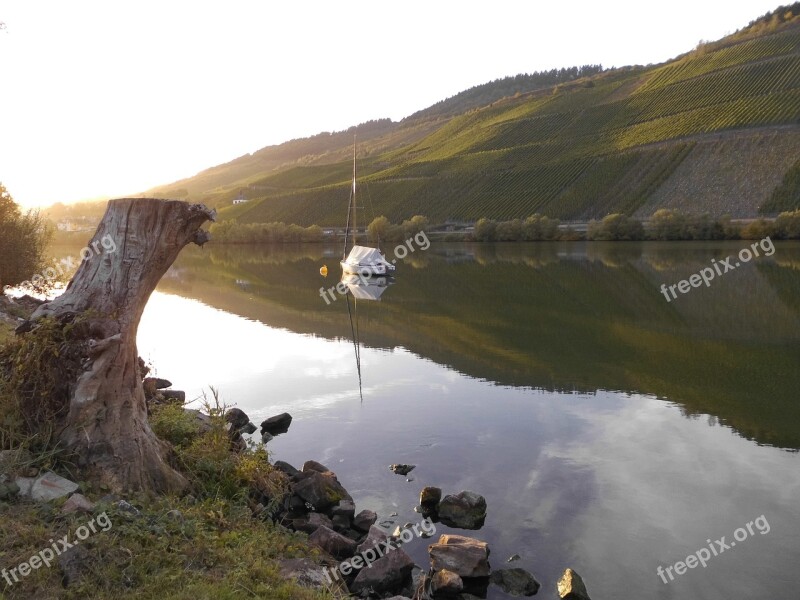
<point x="105" y="426"/>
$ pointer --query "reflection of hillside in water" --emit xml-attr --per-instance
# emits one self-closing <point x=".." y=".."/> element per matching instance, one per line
<point x="555" y="316"/>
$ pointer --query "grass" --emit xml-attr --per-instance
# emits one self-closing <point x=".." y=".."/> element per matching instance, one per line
<point x="215" y="546"/>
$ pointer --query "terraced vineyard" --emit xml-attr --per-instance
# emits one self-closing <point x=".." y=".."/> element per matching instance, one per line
<point x="608" y="143"/>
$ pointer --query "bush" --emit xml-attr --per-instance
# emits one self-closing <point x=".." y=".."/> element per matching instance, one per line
<point x="787" y="225"/>
<point x="485" y="230"/>
<point x="23" y="241"/>
<point x="615" y="227"/>
<point x="756" y="230"/>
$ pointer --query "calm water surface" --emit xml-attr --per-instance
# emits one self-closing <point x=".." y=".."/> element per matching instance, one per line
<point x="610" y="431"/>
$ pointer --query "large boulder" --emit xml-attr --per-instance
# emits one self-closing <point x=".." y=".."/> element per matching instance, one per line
<point x="237" y="418"/>
<point x="467" y="557"/>
<point x="286" y="468"/>
<point x="335" y="544"/>
<point x="277" y="424"/>
<point x="386" y="574"/>
<point x="307" y="573"/>
<point x="375" y="540"/>
<point x="571" y="586"/>
<point x="364" y="520"/>
<point x="313" y="522"/>
<point x="345" y="508"/>
<point x="515" y="582"/>
<point x="321" y="491"/>
<point x="465" y="510"/>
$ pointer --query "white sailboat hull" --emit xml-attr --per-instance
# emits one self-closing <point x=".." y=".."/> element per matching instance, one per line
<point x="366" y="261"/>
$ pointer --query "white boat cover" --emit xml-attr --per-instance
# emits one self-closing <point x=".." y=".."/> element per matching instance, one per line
<point x="362" y="255"/>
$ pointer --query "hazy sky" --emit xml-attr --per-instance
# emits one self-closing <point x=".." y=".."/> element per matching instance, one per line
<point x="108" y="98"/>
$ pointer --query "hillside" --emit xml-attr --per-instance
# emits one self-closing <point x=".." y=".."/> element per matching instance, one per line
<point x="715" y="130"/>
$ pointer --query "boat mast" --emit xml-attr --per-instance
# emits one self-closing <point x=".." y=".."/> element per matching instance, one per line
<point x="351" y="205"/>
<point x="355" y="231"/>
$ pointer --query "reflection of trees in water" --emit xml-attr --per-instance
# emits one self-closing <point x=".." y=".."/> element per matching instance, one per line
<point x="581" y="316"/>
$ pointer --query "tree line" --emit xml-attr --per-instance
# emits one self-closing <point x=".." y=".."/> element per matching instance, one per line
<point x="665" y="224"/>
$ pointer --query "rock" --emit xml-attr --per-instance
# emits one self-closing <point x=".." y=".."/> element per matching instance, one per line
<point x="313" y="522"/>
<point x="50" y="486"/>
<point x="156" y="383"/>
<point x="312" y="466"/>
<point x="307" y="573"/>
<point x="346" y="508"/>
<point x="516" y="582"/>
<point x="335" y="544"/>
<point x="465" y="510"/>
<point x="173" y="396"/>
<point x="446" y="583"/>
<point x="321" y="491"/>
<point x="175" y="515"/>
<point x="266" y="438"/>
<point x="374" y="539"/>
<point x="277" y="424"/>
<point x="429" y="498"/>
<point x="25" y="484"/>
<point x="128" y="508"/>
<point x="400" y="469"/>
<point x="286" y="468"/>
<point x="386" y="574"/>
<point x="465" y="556"/>
<point x="341" y="524"/>
<point x="249" y="429"/>
<point x="203" y="421"/>
<point x="77" y="503"/>
<point x="73" y="563"/>
<point x="571" y="586"/>
<point x="237" y="418"/>
<point x="364" y="520"/>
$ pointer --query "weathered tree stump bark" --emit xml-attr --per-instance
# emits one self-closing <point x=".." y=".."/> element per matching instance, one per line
<point x="106" y="426"/>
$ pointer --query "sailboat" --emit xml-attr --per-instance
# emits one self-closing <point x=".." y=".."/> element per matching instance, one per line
<point x="362" y="260"/>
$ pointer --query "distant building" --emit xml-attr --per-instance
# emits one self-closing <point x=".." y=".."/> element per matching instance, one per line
<point x="240" y="199"/>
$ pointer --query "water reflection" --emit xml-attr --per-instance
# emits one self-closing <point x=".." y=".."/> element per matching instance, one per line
<point x="562" y="317"/>
<point x="610" y="431"/>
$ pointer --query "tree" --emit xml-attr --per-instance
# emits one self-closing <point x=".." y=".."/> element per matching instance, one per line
<point x="485" y="230"/>
<point x="378" y="228"/>
<point x="104" y="425"/>
<point x="615" y="227"/>
<point x="23" y="241"/>
<point x="414" y="225"/>
<point x="509" y="231"/>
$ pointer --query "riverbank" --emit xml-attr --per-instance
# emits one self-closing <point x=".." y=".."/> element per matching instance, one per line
<point x="78" y="540"/>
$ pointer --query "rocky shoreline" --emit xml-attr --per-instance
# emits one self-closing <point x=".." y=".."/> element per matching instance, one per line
<point x="371" y="561"/>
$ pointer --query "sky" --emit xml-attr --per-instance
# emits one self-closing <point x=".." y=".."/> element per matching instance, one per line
<point x="113" y="98"/>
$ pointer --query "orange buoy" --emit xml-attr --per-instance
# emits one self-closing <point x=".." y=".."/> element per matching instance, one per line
<point x="323" y="271"/>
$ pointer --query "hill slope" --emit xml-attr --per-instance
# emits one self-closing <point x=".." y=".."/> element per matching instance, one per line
<point x="715" y="130"/>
